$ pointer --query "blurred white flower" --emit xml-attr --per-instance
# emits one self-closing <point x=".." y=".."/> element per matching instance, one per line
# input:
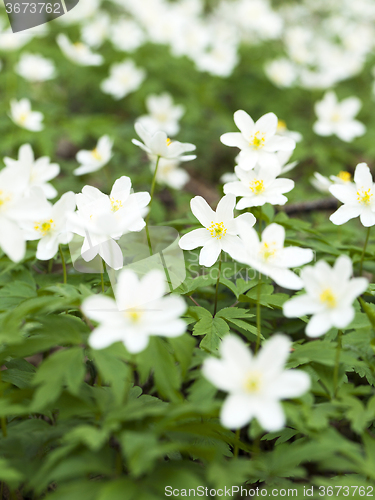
<point x="91" y="161"/>
<point x="257" y="141"/>
<point x="37" y="172"/>
<point x="255" y="384"/>
<point x="220" y="229"/>
<point x="140" y="311"/>
<point x="159" y="145"/>
<point x="78" y="52"/>
<point x="219" y="60"/>
<point x="51" y="227"/>
<point x="35" y="68"/>
<point x="358" y="198"/>
<point x="163" y="114"/>
<point x="322" y="183"/>
<point x="282" y="72"/>
<point x="330" y="295"/>
<point x="95" y="31"/>
<point x="269" y="256"/>
<point x="337" y="118"/>
<point x="23" y="116"/>
<point x="123" y="79"/>
<point x="170" y="174"/>
<point x="126" y="35"/>
<point x="10" y="41"/>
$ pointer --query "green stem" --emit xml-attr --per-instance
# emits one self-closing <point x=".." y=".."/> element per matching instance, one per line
<point x="364" y="251"/>
<point x="63" y="264"/>
<point x="153" y="183"/>
<point x="236" y="444"/>
<point x="337" y="363"/>
<point x="217" y="284"/>
<point x="259" y="317"/>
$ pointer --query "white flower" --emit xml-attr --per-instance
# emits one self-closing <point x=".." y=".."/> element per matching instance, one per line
<point x="35" y="68"/>
<point x="123" y="79"/>
<point x="220" y="229"/>
<point x="37" y="172"/>
<point x="160" y="145"/>
<point x="51" y="228"/>
<point x="102" y="219"/>
<point x="163" y="114"/>
<point x="126" y="35"/>
<point x="259" y="186"/>
<point x="358" y="198"/>
<point x="322" y="183"/>
<point x="337" y="118"/>
<point x="96" y="30"/>
<point x="255" y="384"/>
<point x="282" y="72"/>
<point x="219" y="60"/>
<point x="78" y="52"/>
<point x="140" y="311"/>
<point x="16" y="208"/>
<point x="257" y="141"/>
<point x="329" y="298"/>
<point x="170" y="174"/>
<point x="269" y="256"/>
<point x="91" y="161"/>
<point x="23" y="116"/>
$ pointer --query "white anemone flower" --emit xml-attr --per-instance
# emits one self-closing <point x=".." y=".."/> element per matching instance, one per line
<point x="255" y="384"/>
<point x="220" y="230"/>
<point x="337" y="118"/>
<point x="170" y="174"/>
<point x="102" y="219"/>
<point x="329" y="297"/>
<point x="51" y="229"/>
<point x="268" y="256"/>
<point x="323" y="183"/>
<point x="35" y="68"/>
<point x="259" y="186"/>
<point x="160" y="145"/>
<point x="257" y="141"/>
<point x="37" y="172"/>
<point x="91" y="161"/>
<point x="78" y="53"/>
<point x="358" y="198"/>
<point x="163" y="114"/>
<point x="140" y="311"/>
<point x="23" y="116"/>
<point x="126" y="35"/>
<point x="123" y="79"/>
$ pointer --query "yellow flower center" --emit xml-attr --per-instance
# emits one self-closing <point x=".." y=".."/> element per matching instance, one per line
<point x="328" y="298"/>
<point x="133" y="315"/>
<point x="217" y="230"/>
<point x="268" y="250"/>
<point x="257" y="140"/>
<point x="281" y="126"/>
<point x="253" y="382"/>
<point x="3" y="198"/>
<point x="115" y="204"/>
<point x="256" y="186"/>
<point x="344" y="176"/>
<point x="364" y="196"/>
<point x="168" y="141"/>
<point x="23" y="117"/>
<point x="336" y="117"/>
<point x="44" y="227"/>
<point x="79" y="45"/>
<point x="95" y="153"/>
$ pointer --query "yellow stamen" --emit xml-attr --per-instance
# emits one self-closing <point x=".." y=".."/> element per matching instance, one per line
<point x="95" y="153"/>
<point x="134" y="315"/>
<point x="328" y="298"/>
<point x="168" y="141"/>
<point x="364" y="196"/>
<point x="253" y="382"/>
<point x="217" y="229"/>
<point x="256" y="186"/>
<point x="344" y="176"/>
<point x="23" y="117"/>
<point x="115" y="204"/>
<point x="257" y="140"/>
<point x="44" y="227"/>
<point x="268" y="250"/>
<point x="281" y="126"/>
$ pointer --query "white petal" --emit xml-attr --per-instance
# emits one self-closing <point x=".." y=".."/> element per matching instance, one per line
<point x="345" y="213"/>
<point x="267" y="124"/>
<point x="290" y="384"/>
<point x="104" y="336"/>
<point x="318" y="325"/>
<point x="225" y="207"/>
<point x="210" y="253"/>
<point x="244" y="122"/>
<point x="202" y="211"/>
<point x="299" y="306"/>
<point x="194" y="239"/>
<point x="362" y="176"/>
<point x="272" y="357"/>
<point x="270" y="415"/>
<point x="135" y="342"/>
<point x="367" y="217"/>
<point x="237" y="411"/>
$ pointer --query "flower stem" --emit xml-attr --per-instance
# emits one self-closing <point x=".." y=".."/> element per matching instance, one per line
<point x="236" y="447"/>
<point x="364" y="251"/>
<point x="153" y="183"/>
<point x="217" y="284"/>
<point x="259" y="317"/>
<point x="337" y="363"/>
<point x="63" y="264"/>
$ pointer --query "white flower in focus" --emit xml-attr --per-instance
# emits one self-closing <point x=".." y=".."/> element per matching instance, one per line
<point x="220" y="229"/>
<point x="257" y="141"/>
<point x="255" y="384"/>
<point x="78" y="53"/>
<point x="37" y="172"/>
<point x="102" y="219"/>
<point x="23" y="116"/>
<point x="269" y="257"/>
<point x="159" y="145"/>
<point x="51" y="229"/>
<point x="163" y="114"/>
<point x="35" y="68"/>
<point x="140" y="311"/>
<point x="358" y="198"/>
<point x="91" y="161"/>
<point x="170" y="174"/>
<point x="126" y="35"/>
<point x="123" y="79"/>
<point x="330" y="293"/>
<point x="259" y="186"/>
<point x="337" y="118"/>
